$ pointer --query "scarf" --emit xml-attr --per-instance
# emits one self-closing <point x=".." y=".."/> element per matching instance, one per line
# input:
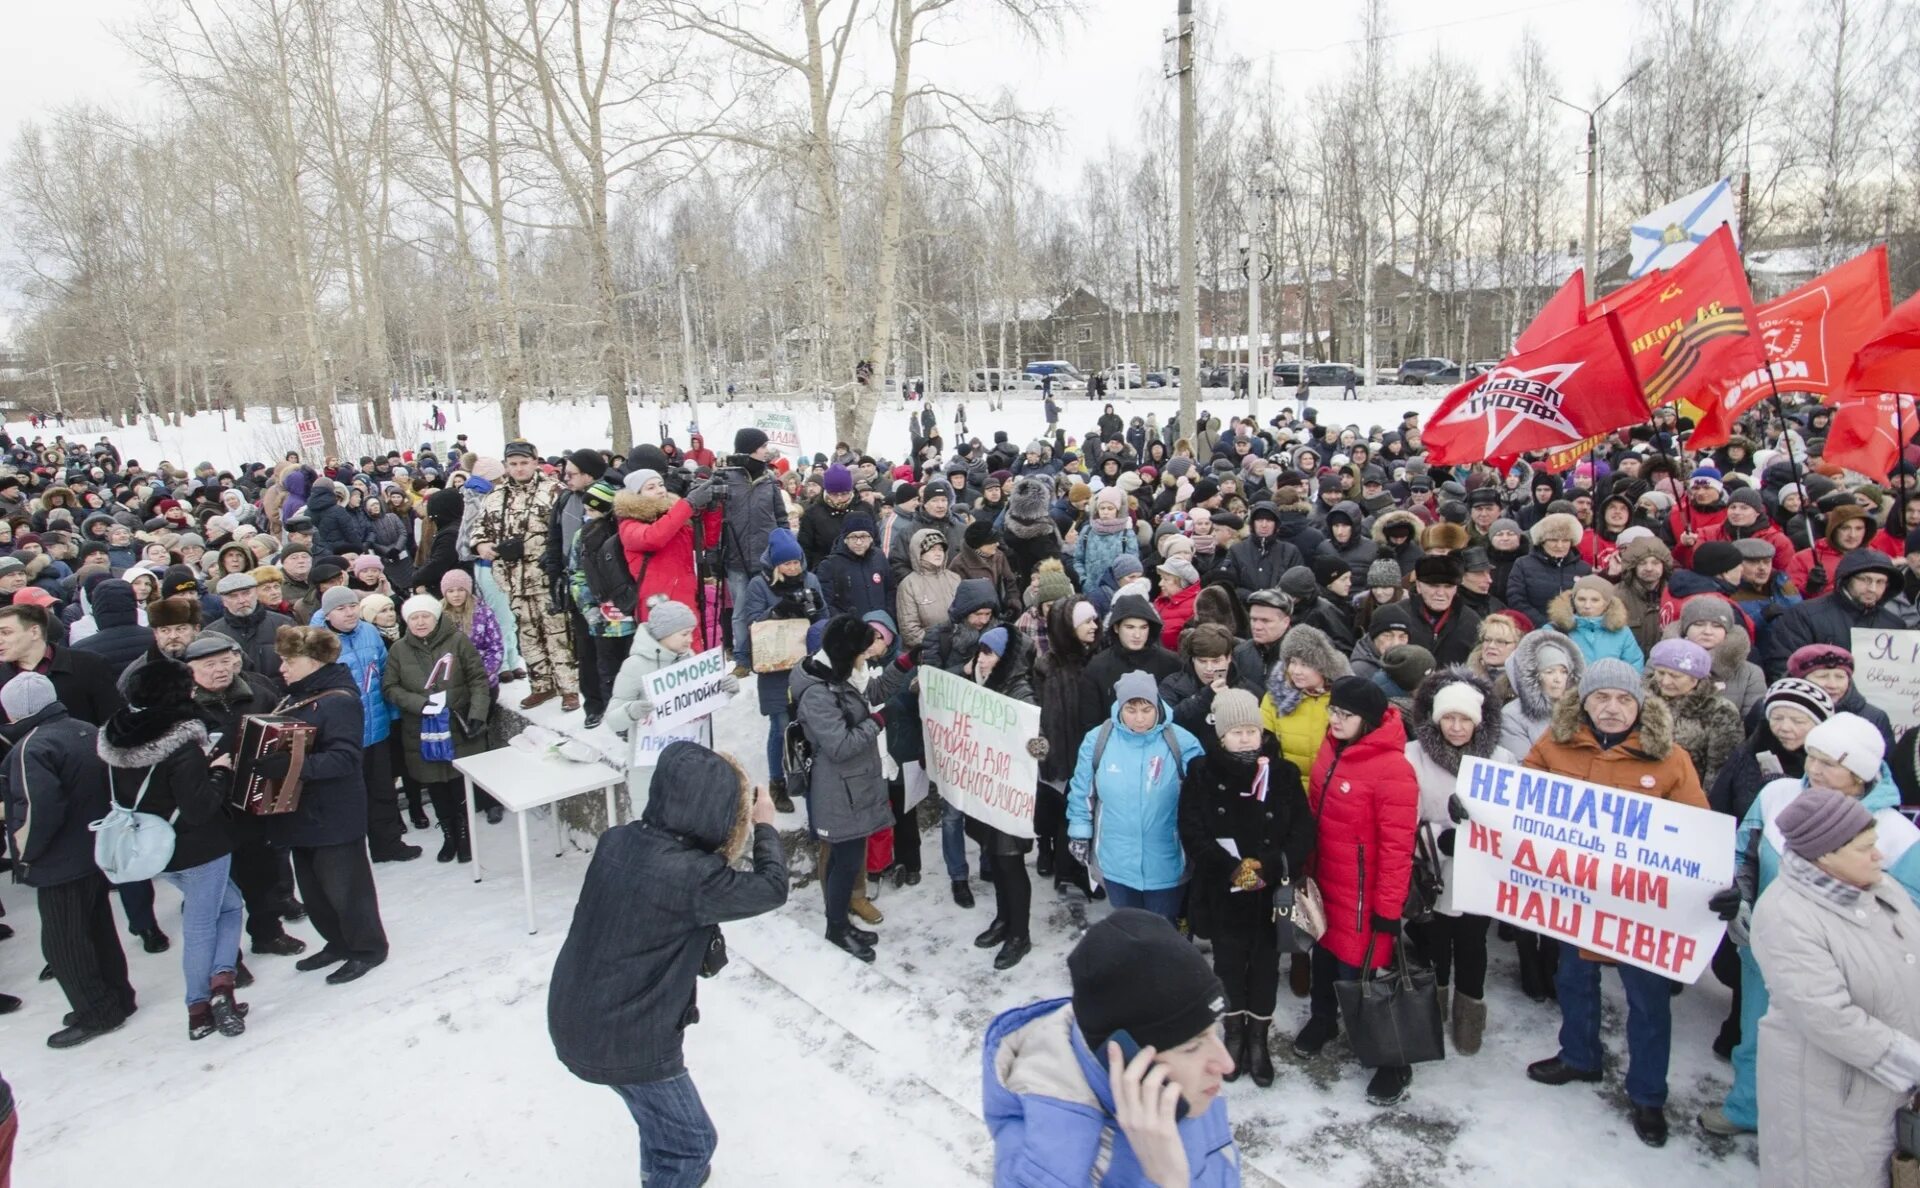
<point x="1823" y="885"/>
<point x="1110" y="527"/>
<point x="1203" y="545"/>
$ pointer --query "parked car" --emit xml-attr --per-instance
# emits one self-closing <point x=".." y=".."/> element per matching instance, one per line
<point x="1333" y="375"/>
<point x="1446" y="377"/>
<point x="1000" y="379"/>
<point x="1286" y="375"/>
<point x="1416" y="371"/>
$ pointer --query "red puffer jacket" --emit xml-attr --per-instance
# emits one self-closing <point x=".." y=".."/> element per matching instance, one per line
<point x="1366" y="800"/>
<point x="656" y="532"/>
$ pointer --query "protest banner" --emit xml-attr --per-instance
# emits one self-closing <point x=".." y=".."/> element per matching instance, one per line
<point x="976" y="743"/>
<point x="309" y="432"/>
<point x="1886" y="667"/>
<point x="687" y="690"/>
<point x="783" y="433"/>
<point x="647" y="744"/>
<point x="1616" y="873"/>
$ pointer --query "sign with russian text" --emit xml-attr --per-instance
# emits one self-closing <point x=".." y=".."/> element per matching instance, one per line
<point x="687" y="690"/>
<point x="1886" y="666"/>
<point x="783" y="432"/>
<point x="647" y="745"/>
<point x="1614" y="872"/>
<point x="976" y="742"/>
<point x="309" y="432"/>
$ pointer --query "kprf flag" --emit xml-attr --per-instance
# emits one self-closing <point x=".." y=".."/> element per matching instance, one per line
<point x="1873" y="417"/>
<point x="1562" y="312"/>
<point x="1889" y="361"/>
<point x="1810" y="337"/>
<point x="1665" y="237"/>
<point x="1576" y="385"/>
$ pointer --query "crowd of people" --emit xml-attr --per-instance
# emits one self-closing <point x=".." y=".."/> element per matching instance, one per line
<point x="1260" y="654"/>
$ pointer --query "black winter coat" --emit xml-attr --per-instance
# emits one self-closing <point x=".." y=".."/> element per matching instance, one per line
<point x="1192" y="701"/>
<point x="623" y="988"/>
<point x="1828" y="619"/>
<point x="165" y="748"/>
<point x="1257" y="562"/>
<point x="333" y="790"/>
<point x="120" y="639"/>
<point x="1113" y="661"/>
<point x="1278" y="832"/>
<point x="336" y="527"/>
<point x="1450" y="638"/>
<point x="56" y="786"/>
<point x="820" y="529"/>
<point x="1070" y="705"/>
<point x="443" y="550"/>
<point x="855" y="585"/>
<point x="255" y="634"/>
<point x="1537" y="579"/>
<point x="82" y="682"/>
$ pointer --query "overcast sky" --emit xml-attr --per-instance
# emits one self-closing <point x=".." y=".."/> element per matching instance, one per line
<point x="1093" y="78"/>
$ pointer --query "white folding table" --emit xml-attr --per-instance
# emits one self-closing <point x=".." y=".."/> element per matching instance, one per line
<point x="520" y="782"/>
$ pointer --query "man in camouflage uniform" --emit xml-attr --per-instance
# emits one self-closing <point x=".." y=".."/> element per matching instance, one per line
<point x="512" y="533"/>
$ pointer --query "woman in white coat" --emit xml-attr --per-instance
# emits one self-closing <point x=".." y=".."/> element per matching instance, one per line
<point x="1839" y="942"/>
<point x="1454" y="715"/>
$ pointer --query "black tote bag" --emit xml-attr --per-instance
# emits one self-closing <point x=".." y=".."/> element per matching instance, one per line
<point x="1392" y="1015"/>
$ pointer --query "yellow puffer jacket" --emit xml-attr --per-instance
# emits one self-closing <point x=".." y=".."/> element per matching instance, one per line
<point x="1300" y="732"/>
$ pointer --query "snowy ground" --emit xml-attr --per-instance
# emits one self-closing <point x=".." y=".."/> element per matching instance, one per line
<point x="436" y="1068"/>
<point x="559" y="425"/>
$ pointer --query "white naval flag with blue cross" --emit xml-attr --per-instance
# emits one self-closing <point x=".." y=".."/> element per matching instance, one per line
<point x="1663" y="238"/>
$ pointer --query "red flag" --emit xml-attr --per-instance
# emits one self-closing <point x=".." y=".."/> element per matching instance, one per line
<point x="1562" y="312"/>
<point x="1889" y="361"/>
<point x="1868" y="430"/>
<point x="1578" y="384"/>
<point x="1686" y="326"/>
<point x="1810" y="335"/>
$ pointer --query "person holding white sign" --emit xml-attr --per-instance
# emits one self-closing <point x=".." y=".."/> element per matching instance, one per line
<point x="1608" y="732"/>
<point x="666" y="638"/>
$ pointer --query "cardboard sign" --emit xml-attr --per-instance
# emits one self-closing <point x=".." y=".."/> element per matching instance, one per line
<point x="1617" y="873"/>
<point x="976" y="742"/>
<point x="1886" y="667"/>
<point x="647" y="745"/>
<point x="783" y="433"/>
<point x="309" y="433"/>
<point x="688" y="690"/>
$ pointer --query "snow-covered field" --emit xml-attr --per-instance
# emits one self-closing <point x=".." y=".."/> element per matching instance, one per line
<point x="436" y="1068"/>
<point x="557" y="425"/>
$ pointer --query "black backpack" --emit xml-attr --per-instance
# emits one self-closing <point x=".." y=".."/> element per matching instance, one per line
<point x="604" y="560"/>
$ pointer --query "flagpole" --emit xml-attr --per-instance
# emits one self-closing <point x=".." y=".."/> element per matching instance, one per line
<point x="1786" y="436"/>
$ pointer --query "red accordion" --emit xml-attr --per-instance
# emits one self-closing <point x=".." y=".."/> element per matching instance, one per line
<point x="262" y="735"/>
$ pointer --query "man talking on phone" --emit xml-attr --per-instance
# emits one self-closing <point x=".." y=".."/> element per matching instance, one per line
<point x="646" y="926"/>
<point x="1117" y="1085"/>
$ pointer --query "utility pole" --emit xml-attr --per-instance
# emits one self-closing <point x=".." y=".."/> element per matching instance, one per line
<point x="689" y="375"/>
<point x="1593" y="172"/>
<point x="1189" y="347"/>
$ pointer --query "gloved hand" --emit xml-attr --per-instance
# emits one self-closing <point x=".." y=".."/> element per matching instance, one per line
<point x="1246" y="876"/>
<point x="879" y="717"/>
<point x="729" y="684"/>
<point x="1726" y="903"/>
<point x="511" y="549"/>
<point x="1816" y="581"/>
<point x="700" y="495"/>
<point x="436" y="702"/>
<point x="1038" y="747"/>
<point x="1457" y="809"/>
<point x="904" y="661"/>
<point x="274" y="764"/>
<point x="1081" y="849"/>
<point x="1386" y="927"/>
<point x="1740" y="928"/>
<point x="1445" y="842"/>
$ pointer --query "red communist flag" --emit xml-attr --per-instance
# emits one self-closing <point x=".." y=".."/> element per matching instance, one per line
<point x="1687" y="327"/>
<point x="1810" y="336"/>
<point x="1873" y="417"/>
<point x="1577" y="384"/>
<point x="1562" y="312"/>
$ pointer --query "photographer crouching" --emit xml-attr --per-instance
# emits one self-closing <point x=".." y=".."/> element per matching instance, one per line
<point x="646" y="926"/>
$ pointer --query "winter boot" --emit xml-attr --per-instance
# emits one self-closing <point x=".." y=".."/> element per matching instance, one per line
<point x="463" y="844"/>
<point x="962" y="893"/>
<point x="1317" y="1034"/>
<point x="418" y="816"/>
<point x="449" y="839"/>
<point x="1011" y="953"/>
<point x="860" y="905"/>
<point x="1389" y="1085"/>
<point x="1469" y="1023"/>
<point x="1714" y="1121"/>
<point x="1444" y="993"/>
<point x="242" y="976"/>
<point x="228" y="1016"/>
<point x="1236" y="1040"/>
<point x="782" y="803"/>
<point x="843" y="938"/>
<point x="200" y="1023"/>
<point x="1300" y="975"/>
<point x="1650" y="1123"/>
<point x="153" y="940"/>
<point x="1259" y="1056"/>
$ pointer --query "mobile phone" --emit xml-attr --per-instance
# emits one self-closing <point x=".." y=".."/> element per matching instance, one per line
<point x="1129" y="1048"/>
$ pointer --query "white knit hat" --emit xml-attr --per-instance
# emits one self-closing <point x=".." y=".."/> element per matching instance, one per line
<point x="1852" y="742"/>
<point x="1458" y="697"/>
<point x="418" y="603"/>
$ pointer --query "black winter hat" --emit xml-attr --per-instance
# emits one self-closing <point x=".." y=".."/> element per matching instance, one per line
<point x="1180" y="1000"/>
<point x="978" y="533"/>
<point x="1361" y="698"/>
<point x="1327" y="568"/>
<point x="844" y="639"/>
<point x="588" y="462"/>
<point x="747" y="440"/>
<point x="1394" y="616"/>
<point x="1716" y="557"/>
<point x="161" y="681"/>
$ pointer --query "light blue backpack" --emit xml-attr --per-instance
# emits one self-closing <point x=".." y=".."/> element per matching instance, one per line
<point x="130" y="846"/>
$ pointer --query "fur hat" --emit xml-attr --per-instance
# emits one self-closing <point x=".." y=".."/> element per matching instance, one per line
<point x="183" y="611"/>
<point x="1558" y="526"/>
<point x="1451" y="537"/>
<point x="1438" y="569"/>
<point x="316" y="643"/>
<point x="1458" y="697"/>
<point x="161" y="681"/>
<point x="845" y="637"/>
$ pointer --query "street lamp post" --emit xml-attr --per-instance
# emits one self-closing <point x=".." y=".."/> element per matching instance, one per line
<point x="1593" y="171"/>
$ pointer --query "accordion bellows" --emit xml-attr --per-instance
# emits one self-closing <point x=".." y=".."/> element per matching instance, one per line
<point x="262" y="735"/>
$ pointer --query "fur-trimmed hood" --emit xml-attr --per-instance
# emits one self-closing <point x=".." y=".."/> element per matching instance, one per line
<point x="687" y="799"/>
<point x="631" y="505"/>
<point x="1523" y="670"/>
<point x="144" y="738"/>
<point x="1310" y="646"/>
<point x="1731" y="654"/>
<point x="1389" y="519"/>
<point x="1560" y="612"/>
<point x="1426" y="731"/>
<point x="1652" y="737"/>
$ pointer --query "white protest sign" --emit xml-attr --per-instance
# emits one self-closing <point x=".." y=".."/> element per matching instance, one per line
<point x="976" y="742"/>
<point x="1886" y="667"/>
<point x="309" y="432"/>
<point x="1614" y="872"/>
<point x="687" y="690"/>
<point x="646" y="748"/>
<point x="783" y="432"/>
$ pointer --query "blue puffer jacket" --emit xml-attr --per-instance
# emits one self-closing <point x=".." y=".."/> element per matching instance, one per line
<point x="1137" y="842"/>
<point x="1597" y="641"/>
<point x="1048" y="1106"/>
<point x="1899" y="853"/>
<point x="364" y="654"/>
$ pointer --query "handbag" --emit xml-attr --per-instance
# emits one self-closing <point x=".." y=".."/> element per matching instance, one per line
<point x="778" y="644"/>
<point x="1906" y="1129"/>
<point x="1393" y="1019"/>
<point x="130" y="846"/>
<point x="796" y="754"/>
<point x="1299" y="914"/>
<point x="436" y="736"/>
